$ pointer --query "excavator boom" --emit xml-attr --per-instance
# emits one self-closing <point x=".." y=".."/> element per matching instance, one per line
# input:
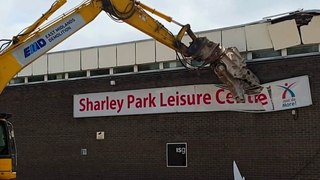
<point x="34" y="41"/>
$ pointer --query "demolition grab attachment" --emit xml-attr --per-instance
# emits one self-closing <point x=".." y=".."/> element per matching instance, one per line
<point x="228" y="65"/>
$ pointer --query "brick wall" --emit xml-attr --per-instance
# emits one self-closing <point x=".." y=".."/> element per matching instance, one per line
<point x="265" y="146"/>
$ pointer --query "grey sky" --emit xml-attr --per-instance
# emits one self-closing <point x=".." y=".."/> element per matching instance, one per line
<point x="202" y="15"/>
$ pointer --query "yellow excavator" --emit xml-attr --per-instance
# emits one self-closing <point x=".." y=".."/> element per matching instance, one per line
<point x="39" y="38"/>
<point x="8" y="155"/>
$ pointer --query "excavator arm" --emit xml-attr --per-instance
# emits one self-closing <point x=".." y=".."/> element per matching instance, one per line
<point x="34" y="41"/>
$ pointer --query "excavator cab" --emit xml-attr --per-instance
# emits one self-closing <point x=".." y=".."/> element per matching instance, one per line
<point x="8" y="160"/>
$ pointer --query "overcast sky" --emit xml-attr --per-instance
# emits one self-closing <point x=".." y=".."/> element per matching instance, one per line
<point x="202" y="15"/>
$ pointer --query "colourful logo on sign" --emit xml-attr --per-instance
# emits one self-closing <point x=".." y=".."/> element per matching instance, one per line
<point x="287" y="90"/>
<point x="288" y="95"/>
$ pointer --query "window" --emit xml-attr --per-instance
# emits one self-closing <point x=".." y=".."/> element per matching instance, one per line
<point x="265" y="53"/>
<point x="55" y="76"/>
<point x="124" y="69"/>
<point x="17" y="80"/>
<point x="148" y="67"/>
<point x="77" y="74"/>
<point x="3" y="139"/>
<point x="35" y="78"/>
<point x="172" y="64"/>
<point x="99" y="72"/>
<point x="303" y="49"/>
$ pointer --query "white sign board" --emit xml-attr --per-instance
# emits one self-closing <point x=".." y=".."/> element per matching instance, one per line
<point x="279" y="95"/>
